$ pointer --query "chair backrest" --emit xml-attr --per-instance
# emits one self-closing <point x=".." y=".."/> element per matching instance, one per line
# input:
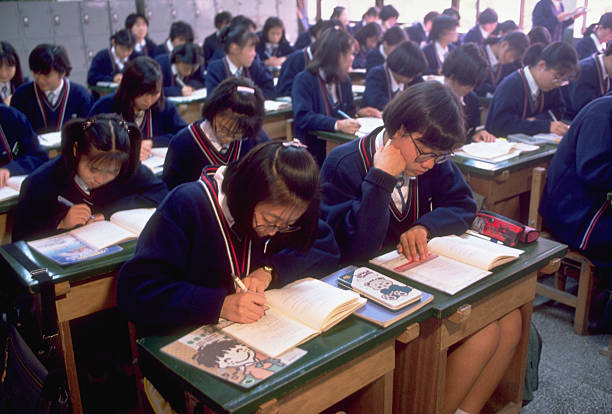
<point x="538" y="179"/>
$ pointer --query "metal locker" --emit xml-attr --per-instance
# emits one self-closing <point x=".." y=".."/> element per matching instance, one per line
<point x="93" y="45"/>
<point x="204" y="19"/>
<point x="35" y="17"/>
<point x="160" y="18"/>
<point x="119" y="10"/>
<point x="95" y="19"/>
<point x="66" y="19"/>
<point x="10" y="22"/>
<point x="76" y="52"/>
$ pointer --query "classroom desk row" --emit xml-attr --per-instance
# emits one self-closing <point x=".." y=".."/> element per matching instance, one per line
<point x="400" y="368"/>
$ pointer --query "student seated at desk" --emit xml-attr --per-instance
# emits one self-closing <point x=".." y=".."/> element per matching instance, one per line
<point x="20" y="151"/>
<point x="11" y="76"/>
<point x="388" y="17"/>
<point x="370" y="16"/>
<point x="442" y="40"/>
<point x="181" y="70"/>
<point x="593" y="82"/>
<point x="582" y="217"/>
<point x="505" y="27"/>
<point x="212" y="42"/>
<point x="52" y="98"/>
<point x="231" y="120"/>
<point x="98" y="172"/>
<point x="367" y="37"/>
<point x="138" y="25"/>
<point x="464" y="68"/>
<point x="239" y="43"/>
<point x="539" y="34"/>
<point x="180" y="33"/>
<point x="595" y="38"/>
<point x="390" y="40"/>
<point x="523" y="102"/>
<point x="487" y="23"/>
<point x="273" y="47"/>
<point x="397" y="187"/>
<point x="140" y="99"/>
<point x="404" y="67"/>
<point x="419" y="32"/>
<point x="503" y="55"/>
<point x="108" y="64"/>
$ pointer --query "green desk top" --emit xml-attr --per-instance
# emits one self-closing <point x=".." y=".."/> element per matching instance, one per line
<point x="339" y="137"/>
<point x="545" y="152"/>
<point x="70" y="273"/>
<point x="8" y="205"/>
<point x="103" y="90"/>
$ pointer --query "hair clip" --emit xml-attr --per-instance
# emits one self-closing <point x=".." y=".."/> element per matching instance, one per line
<point x="294" y="143"/>
<point x="88" y="124"/>
<point x="245" y="89"/>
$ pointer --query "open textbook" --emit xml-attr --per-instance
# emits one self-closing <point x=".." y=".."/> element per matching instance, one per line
<point x="155" y="162"/>
<point x="196" y="96"/>
<point x="50" y="139"/>
<point x="456" y="262"/>
<point x="209" y="349"/>
<point x="368" y="124"/>
<point x="296" y="313"/>
<point x="12" y="187"/>
<point x="94" y="239"/>
<point x="496" y="151"/>
<point x="270" y="105"/>
<point x="537" y="139"/>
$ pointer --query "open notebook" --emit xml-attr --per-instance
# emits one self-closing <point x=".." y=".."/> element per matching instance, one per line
<point x="538" y="139"/>
<point x="368" y="124"/>
<point x="496" y="151"/>
<point x="270" y="106"/>
<point x="196" y="96"/>
<point x="50" y="139"/>
<point x="155" y="162"/>
<point x="456" y="262"/>
<point x="12" y="187"/>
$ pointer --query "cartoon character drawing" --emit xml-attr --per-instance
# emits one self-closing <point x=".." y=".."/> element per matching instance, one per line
<point x="388" y="289"/>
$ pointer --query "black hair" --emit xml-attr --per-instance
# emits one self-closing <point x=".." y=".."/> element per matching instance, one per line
<point x="222" y="19"/>
<point x="440" y="25"/>
<point x="431" y="109"/>
<point x="270" y="23"/>
<point x="504" y="27"/>
<point x="372" y="11"/>
<point x="369" y="30"/>
<point x="430" y="16"/>
<point x="466" y="65"/>
<point x="516" y="41"/>
<point x="124" y="37"/>
<point x="182" y="30"/>
<point x="558" y="56"/>
<point x="209" y="354"/>
<point x="322" y="25"/>
<point x="279" y="172"/>
<point x="407" y="59"/>
<point x="239" y="34"/>
<point x="234" y="94"/>
<point x="337" y="12"/>
<point x="452" y="12"/>
<point x="329" y="46"/>
<point x="45" y="57"/>
<point x="608" y="50"/>
<point x="132" y="18"/>
<point x="487" y="16"/>
<point x="394" y="35"/>
<point x="116" y="141"/>
<point x="605" y="21"/>
<point x="9" y="57"/>
<point x="142" y="75"/>
<point x="189" y="53"/>
<point x="387" y="12"/>
<point x="539" y="34"/>
<point x="241" y="19"/>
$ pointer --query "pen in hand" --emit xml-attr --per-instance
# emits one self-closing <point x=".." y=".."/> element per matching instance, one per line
<point x="69" y="204"/>
<point x="552" y="116"/>
<point x="239" y="283"/>
<point x="343" y="114"/>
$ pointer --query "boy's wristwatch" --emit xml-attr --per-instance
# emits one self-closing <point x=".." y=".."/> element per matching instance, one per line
<point x="270" y="270"/>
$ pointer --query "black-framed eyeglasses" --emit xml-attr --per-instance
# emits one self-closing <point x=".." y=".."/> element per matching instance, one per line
<point x="276" y="227"/>
<point x="426" y="156"/>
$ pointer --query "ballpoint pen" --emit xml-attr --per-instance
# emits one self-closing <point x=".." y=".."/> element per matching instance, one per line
<point x="69" y="203"/>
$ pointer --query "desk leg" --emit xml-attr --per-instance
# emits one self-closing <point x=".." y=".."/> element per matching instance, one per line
<point x="374" y="398"/>
<point x="71" y="370"/>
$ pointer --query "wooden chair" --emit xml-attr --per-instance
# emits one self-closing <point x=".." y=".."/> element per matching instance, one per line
<point x="573" y="264"/>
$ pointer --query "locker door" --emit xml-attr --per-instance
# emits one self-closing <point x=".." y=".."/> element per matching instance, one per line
<point x="12" y="25"/>
<point x="204" y="19"/>
<point x="95" y="19"/>
<point x="119" y="10"/>
<point x="66" y="19"/>
<point x="93" y="44"/>
<point x="35" y="17"/>
<point x="160" y="18"/>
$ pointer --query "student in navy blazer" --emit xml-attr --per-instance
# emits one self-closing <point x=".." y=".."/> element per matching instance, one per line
<point x="419" y="32"/>
<point x="487" y="22"/>
<point x="231" y="120"/>
<point x="522" y="103"/>
<point x="52" y="99"/>
<point x="370" y="16"/>
<point x="20" y="151"/>
<point x="552" y="15"/>
<point x="108" y="64"/>
<point x="239" y="46"/>
<point x="140" y="99"/>
<point x="595" y="38"/>
<point x="442" y="37"/>
<point x="367" y="37"/>
<point x="182" y="70"/>
<point x="138" y="25"/>
<point x="11" y="75"/>
<point x="390" y="39"/>
<point x="180" y="33"/>
<point x="403" y="68"/>
<point x="594" y="81"/>
<point x="273" y="47"/>
<point x="212" y="42"/>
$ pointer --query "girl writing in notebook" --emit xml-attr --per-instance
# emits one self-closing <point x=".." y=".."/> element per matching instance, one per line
<point x="231" y="119"/>
<point x="11" y="76"/>
<point x="108" y="64"/>
<point x="273" y="47"/>
<point x="397" y="187"/>
<point x="97" y="174"/>
<point x="528" y="101"/>
<point x="182" y="70"/>
<point x="140" y="99"/>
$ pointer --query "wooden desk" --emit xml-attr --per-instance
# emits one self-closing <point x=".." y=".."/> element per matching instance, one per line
<point x="81" y="289"/>
<point x="333" y="139"/>
<point x="277" y="124"/>
<point x="7" y="219"/>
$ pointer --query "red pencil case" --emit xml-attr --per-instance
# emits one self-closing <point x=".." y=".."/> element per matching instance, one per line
<point x="508" y="231"/>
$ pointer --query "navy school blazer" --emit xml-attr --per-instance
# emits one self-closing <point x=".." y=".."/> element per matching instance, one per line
<point x="433" y="62"/>
<point x="591" y="84"/>
<point x="585" y="47"/>
<point x="416" y="33"/>
<point x="20" y="150"/>
<point x="474" y="35"/>
<point x="283" y="49"/>
<point x="218" y="70"/>
<point x="210" y="45"/>
<point x="294" y="64"/>
<point x="545" y="14"/>
<point x="171" y="86"/>
<point x="103" y="68"/>
<point x="374" y="58"/>
<point x="378" y="87"/>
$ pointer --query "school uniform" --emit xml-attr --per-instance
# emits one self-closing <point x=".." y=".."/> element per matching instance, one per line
<point x="471" y="113"/>
<point x="303" y="40"/>
<point x="496" y="73"/>
<point x="545" y="14"/>
<point x="172" y="79"/>
<point x="9" y="88"/>
<point x="593" y="82"/>
<point x="380" y="87"/>
<point x="316" y="108"/>
<point x="194" y="147"/>
<point x="475" y="35"/>
<point x="417" y="33"/>
<point x="210" y="45"/>
<point x="71" y="101"/>
<point x="147" y="48"/>
<point x="376" y="56"/>
<point x="582" y="217"/>
<point x="358" y="201"/>
<point x="589" y="45"/>
<point x="180" y="272"/>
<point x="294" y="64"/>
<point x="158" y="125"/>
<point x="20" y="151"/>
<point x="104" y="67"/>
<point x="359" y="61"/>
<point x="39" y="213"/>
<point x="163" y="48"/>
<point x="265" y="51"/>
<point x="514" y="102"/>
<point x="221" y="69"/>
<point x="435" y="57"/>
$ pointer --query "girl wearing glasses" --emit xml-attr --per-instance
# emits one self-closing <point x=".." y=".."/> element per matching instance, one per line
<point x="96" y="175"/>
<point x="231" y="119"/>
<point x="395" y="188"/>
<point x="528" y="101"/>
